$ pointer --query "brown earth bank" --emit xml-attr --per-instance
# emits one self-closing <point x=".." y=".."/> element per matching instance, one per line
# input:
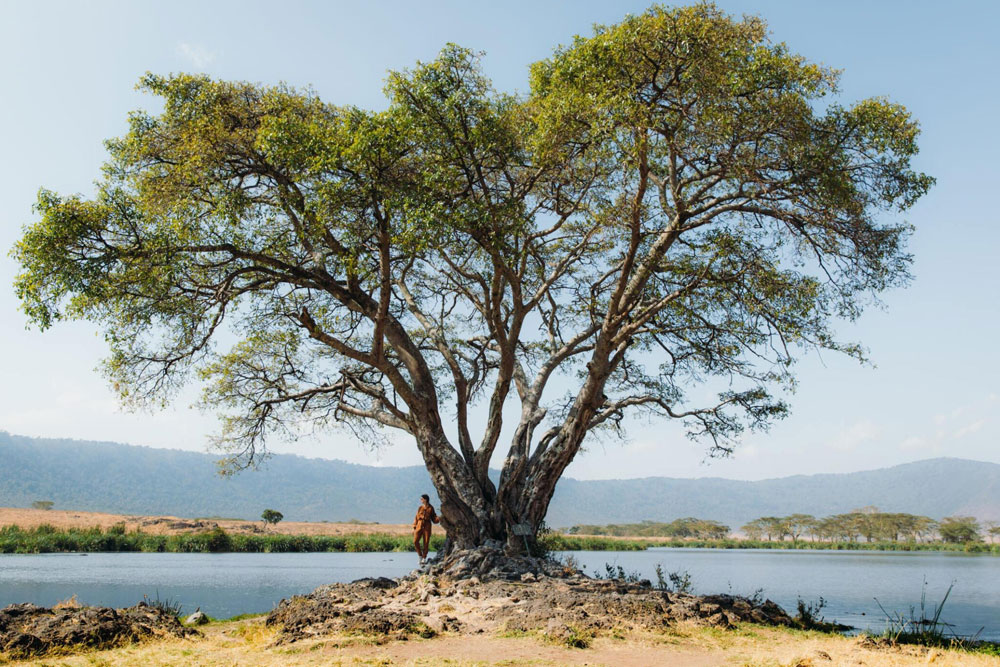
<point x="170" y="525"/>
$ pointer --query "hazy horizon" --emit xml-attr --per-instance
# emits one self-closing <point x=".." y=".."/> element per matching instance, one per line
<point x="497" y="470"/>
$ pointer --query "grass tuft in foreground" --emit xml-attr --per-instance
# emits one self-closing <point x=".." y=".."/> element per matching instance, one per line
<point x="927" y="628"/>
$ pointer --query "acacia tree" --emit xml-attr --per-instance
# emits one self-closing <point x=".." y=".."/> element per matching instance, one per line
<point x="798" y="524"/>
<point x="673" y="209"/>
<point x="959" y="529"/>
<point x="271" y="517"/>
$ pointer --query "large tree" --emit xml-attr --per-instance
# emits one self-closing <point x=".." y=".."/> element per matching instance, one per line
<point x="674" y="210"/>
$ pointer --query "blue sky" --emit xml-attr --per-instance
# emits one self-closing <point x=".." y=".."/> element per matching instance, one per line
<point x="68" y="70"/>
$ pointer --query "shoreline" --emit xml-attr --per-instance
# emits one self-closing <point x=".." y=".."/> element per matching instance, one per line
<point x="65" y="531"/>
<point x="46" y="539"/>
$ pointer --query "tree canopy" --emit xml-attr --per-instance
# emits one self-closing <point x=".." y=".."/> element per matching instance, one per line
<point x="271" y="516"/>
<point x="676" y="204"/>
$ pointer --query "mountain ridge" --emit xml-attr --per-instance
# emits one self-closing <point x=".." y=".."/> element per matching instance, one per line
<point x="135" y="479"/>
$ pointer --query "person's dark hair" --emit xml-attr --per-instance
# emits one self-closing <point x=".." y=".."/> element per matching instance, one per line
<point x="426" y="497"/>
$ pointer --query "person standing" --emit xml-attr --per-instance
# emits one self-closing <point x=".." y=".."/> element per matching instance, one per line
<point x="425" y="518"/>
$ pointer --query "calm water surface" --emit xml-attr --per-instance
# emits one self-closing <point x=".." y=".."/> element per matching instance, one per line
<point x="224" y="585"/>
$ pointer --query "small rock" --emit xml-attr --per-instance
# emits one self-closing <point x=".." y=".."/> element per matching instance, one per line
<point x="557" y="629"/>
<point x="444" y="623"/>
<point x="381" y="583"/>
<point x="197" y="618"/>
<point x="528" y="577"/>
<point x="718" y="621"/>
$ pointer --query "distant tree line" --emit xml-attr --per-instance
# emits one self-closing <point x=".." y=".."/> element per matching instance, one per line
<point x="867" y="524"/>
<point x="705" y="529"/>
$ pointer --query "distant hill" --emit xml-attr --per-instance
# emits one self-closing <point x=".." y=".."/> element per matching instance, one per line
<point x="111" y="477"/>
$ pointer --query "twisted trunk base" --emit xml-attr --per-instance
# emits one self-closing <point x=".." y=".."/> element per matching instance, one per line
<point x="493" y="561"/>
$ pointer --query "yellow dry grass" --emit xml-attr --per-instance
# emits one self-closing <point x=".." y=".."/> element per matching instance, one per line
<point x="249" y="642"/>
<point x="65" y="519"/>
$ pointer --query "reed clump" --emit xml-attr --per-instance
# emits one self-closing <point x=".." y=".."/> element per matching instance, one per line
<point x="926" y="627"/>
<point x="48" y="539"/>
<point x="45" y="539"/>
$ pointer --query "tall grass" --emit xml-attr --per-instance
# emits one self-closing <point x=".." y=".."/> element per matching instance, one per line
<point x="927" y="628"/>
<point x="969" y="547"/>
<point x="47" y="539"/>
<point x="558" y="542"/>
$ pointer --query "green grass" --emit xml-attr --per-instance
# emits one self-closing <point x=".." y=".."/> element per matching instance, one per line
<point x="557" y="542"/>
<point x="969" y="547"/>
<point x="47" y="539"/>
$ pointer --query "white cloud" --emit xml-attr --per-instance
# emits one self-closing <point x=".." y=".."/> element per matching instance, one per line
<point x="974" y="419"/>
<point x="974" y="427"/>
<point x="195" y="54"/>
<point x="913" y="444"/>
<point x="849" y="439"/>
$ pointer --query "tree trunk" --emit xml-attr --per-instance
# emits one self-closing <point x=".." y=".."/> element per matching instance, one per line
<point x="476" y="514"/>
<point x="470" y="512"/>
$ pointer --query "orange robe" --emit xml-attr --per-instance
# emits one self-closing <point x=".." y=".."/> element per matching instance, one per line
<point x="425" y="517"/>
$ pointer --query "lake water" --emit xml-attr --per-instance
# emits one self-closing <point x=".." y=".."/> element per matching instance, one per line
<point x="225" y="585"/>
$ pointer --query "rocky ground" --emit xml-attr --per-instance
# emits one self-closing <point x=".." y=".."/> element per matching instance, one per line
<point x="28" y="630"/>
<point x="514" y="612"/>
<point x="508" y="596"/>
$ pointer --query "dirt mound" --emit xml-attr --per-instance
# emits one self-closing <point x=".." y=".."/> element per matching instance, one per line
<point x="30" y="630"/>
<point x="563" y="606"/>
<point x="357" y="607"/>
